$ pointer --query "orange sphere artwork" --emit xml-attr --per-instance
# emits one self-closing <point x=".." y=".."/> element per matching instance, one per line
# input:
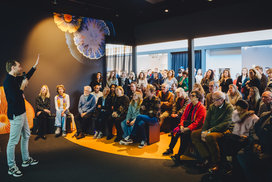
<point x="4" y="121"/>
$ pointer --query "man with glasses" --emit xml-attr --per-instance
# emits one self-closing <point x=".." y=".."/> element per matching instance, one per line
<point x="213" y="86"/>
<point x="265" y="104"/>
<point x="217" y="121"/>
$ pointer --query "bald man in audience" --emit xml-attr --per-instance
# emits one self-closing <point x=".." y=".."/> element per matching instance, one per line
<point x="218" y="119"/>
<point x="265" y="104"/>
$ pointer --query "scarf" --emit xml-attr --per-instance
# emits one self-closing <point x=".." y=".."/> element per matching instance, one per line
<point x="59" y="97"/>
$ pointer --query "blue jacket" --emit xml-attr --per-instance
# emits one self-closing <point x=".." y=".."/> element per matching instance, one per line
<point x="86" y="105"/>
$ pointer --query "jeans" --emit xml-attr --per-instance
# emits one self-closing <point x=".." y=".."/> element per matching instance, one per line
<point x="60" y="121"/>
<point x="18" y="127"/>
<point x="127" y="129"/>
<point x="139" y="126"/>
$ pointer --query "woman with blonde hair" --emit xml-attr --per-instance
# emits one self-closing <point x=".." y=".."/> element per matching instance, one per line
<point x="254" y="99"/>
<point x="133" y="112"/>
<point x="233" y="94"/>
<point x="62" y="104"/>
<point x="42" y="110"/>
<point x="225" y="81"/>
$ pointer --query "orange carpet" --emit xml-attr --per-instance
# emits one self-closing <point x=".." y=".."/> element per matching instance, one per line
<point x="153" y="151"/>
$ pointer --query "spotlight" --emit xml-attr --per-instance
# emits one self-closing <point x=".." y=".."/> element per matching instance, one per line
<point x="210" y="0"/>
<point x="166" y="10"/>
<point x="54" y="2"/>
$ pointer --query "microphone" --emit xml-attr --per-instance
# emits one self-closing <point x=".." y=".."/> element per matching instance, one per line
<point x="24" y="75"/>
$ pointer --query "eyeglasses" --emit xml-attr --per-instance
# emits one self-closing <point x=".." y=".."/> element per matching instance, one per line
<point x="192" y="95"/>
<point x="214" y="100"/>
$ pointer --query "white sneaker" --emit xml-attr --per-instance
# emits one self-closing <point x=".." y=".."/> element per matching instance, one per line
<point x="30" y="162"/>
<point x="64" y="134"/>
<point x="57" y="132"/>
<point x="95" y="134"/>
<point x="125" y="141"/>
<point x="142" y="144"/>
<point x="14" y="171"/>
<point x="100" y="135"/>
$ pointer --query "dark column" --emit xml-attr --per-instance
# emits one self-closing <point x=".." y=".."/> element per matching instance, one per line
<point x="191" y="62"/>
<point x="104" y="71"/>
<point x="134" y="60"/>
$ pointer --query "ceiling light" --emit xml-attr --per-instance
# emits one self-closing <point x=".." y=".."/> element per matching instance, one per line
<point x="210" y="0"/>
<point x="166" y="10"/>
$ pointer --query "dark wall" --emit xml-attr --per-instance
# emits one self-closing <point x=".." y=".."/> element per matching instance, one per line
<point x="249" y="16"/>
<point x="27" y="32"/>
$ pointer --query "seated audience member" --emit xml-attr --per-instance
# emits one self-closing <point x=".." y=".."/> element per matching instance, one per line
<point x="198" y="87"/>
<point x="150" y="111"/>
<point x="97" y="80"/>
<point x="180" y="103"/>
<point x="132" y="90"/>
<point x="263" y="80"/>
<point x="206" y="139"/>
<point x="42" y="105"/>
<point x="208" y="77"/>
<point x="213" y="87"/>
<point x="97" y="93"/>
<point x="269" y="74"/>
<point x="155" y="79"/>
<point x="142" y="81"/>
<point x="119" y="113"/>
<point x="184" y="82"/>
<point x="170" y="79"/>
<point x="112" y="79"/>
<point x="112" y="96"/>
<point x="254" y="99"/>
<point x="243" y="122"/>
<point x="233" y="94"/>
<point x="167" y="100"/>
<point x="253" y="81"/>
<point x="62" y="104"/>
<point x="124" y="82"/>
<point x="173" y="89"/>
<point x="179" y="75"/>
<point x="86" y="108"/>
<point x="256" y="164"/>
<point x="133" y="112"/>
<point x="265" y="104"/>
<point x="103" y="113"/>
<point x="131" y="77"/>
<point x="192" y="119"/>
<point x="225" y="81"/>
